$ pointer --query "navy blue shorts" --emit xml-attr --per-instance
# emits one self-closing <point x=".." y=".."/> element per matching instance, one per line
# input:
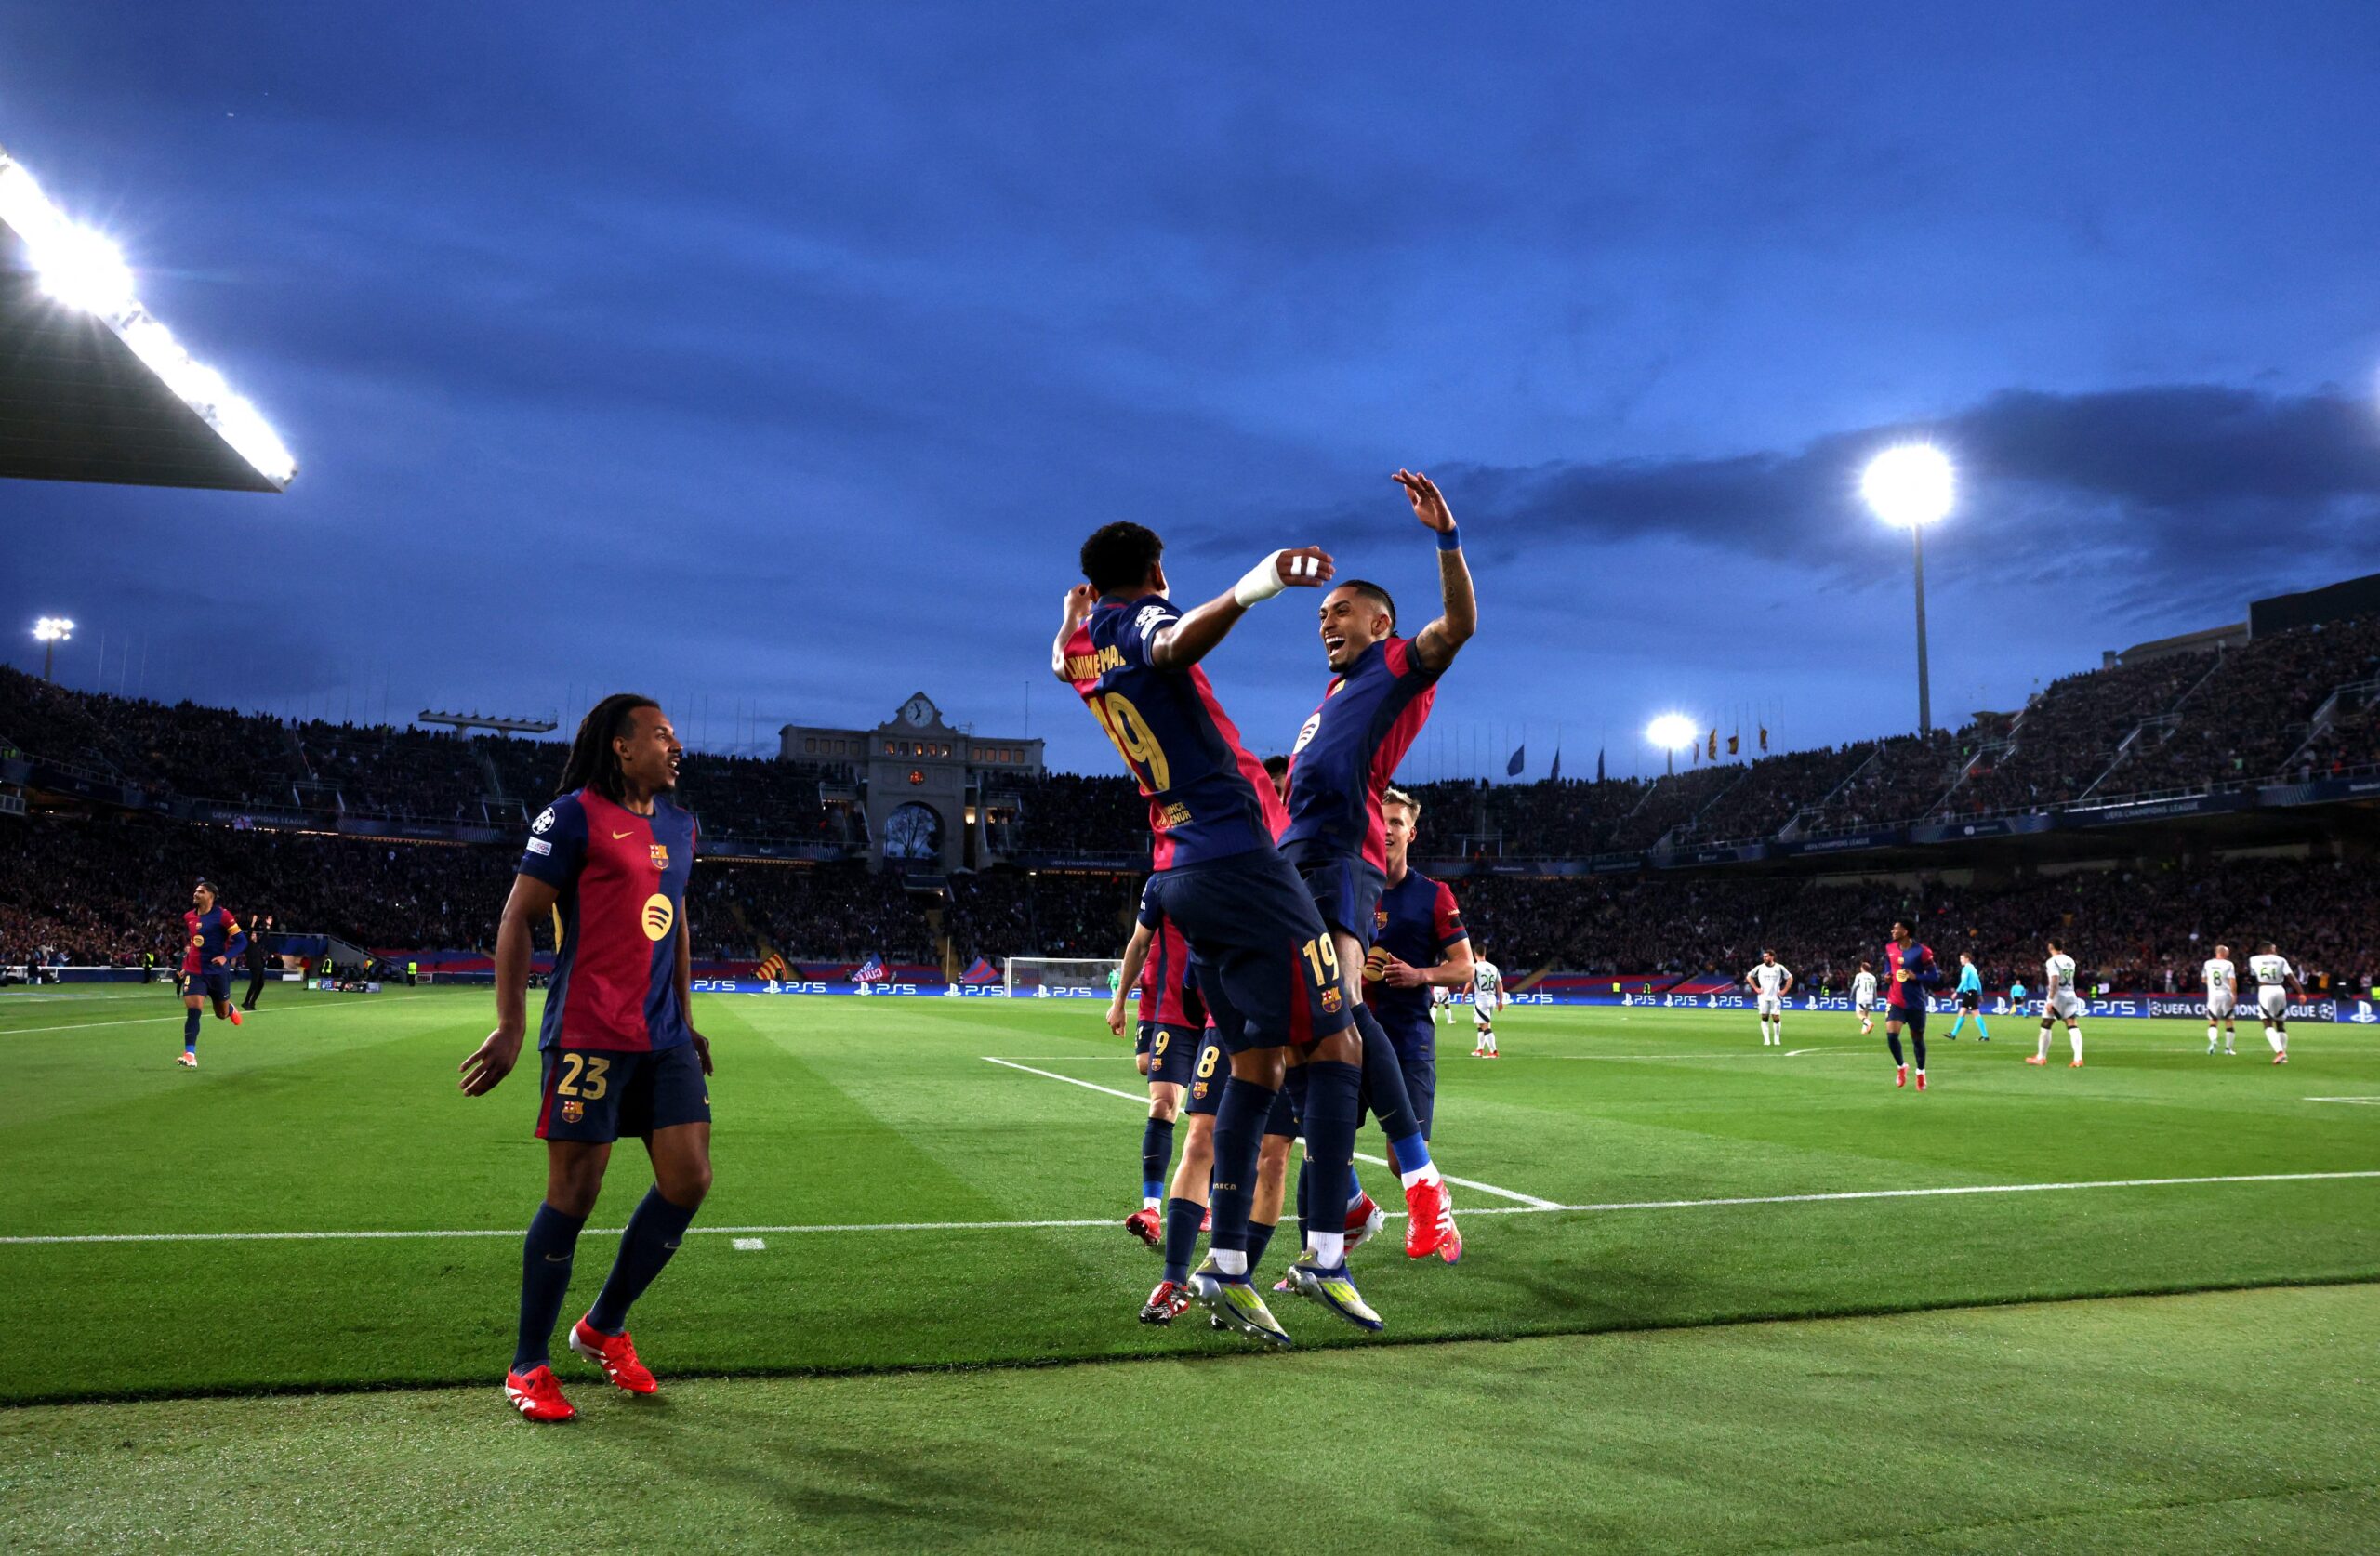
<point x="1208" y="1076"/>
<point x="1417" y="1053"/>
<point x="1264" y="960"/>
<point x="214" y="985"/>
<point x="1346" y="893"/>
<point x="1172" y="1051"/>
<point x="597" y="1095"/>
<point x="1141" y="1038"/>
<point x="1911" y="1015"/>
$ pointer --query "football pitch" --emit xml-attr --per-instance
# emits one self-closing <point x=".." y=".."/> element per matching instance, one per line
<point x="1715" y="1297"/>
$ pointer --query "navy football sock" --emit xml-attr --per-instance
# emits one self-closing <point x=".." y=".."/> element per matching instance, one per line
<point x="545" y="1278"/>
<point x="1391" y="1103"/>
<point x="190" y="1031"/>
<point x="652" y="1236"/>
<point x="1182" y="1218"/>
<point x="1893" y="1042"/>
<point x="1305" y="1184"/>
<point x="1917" y="1044"/>
<point x="1156" y="1153"/>
<point x="1239" y="1135"/>
<point x="1294" y="1082"/>
<point x="1334" y="1097"/>
<point x="1260" y="1236"/>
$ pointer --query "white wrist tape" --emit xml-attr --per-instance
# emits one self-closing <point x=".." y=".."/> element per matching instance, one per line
<point x="1264" y="581"/>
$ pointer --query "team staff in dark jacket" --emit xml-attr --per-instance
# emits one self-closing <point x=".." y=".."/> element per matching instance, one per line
<point x="259" y="932"/>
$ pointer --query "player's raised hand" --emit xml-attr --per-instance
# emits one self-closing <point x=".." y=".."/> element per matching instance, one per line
<point x="1308" y="567"/>
<point x="1429" y="503"/>
<point x="492" y="1059"/>
<point x="1080" y="600"/>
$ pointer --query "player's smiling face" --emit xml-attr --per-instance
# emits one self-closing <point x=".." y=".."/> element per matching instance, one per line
<point x="1396" y="831"/>
<point x="1350" y="625"/>
<point x="650" y="756"/>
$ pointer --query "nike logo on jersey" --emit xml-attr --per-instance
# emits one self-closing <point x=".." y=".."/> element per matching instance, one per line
<point x="617" y="836"/>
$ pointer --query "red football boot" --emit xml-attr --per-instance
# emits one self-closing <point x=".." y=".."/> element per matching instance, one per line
<point x="235" y="1013"/>
<point x="1426" y="1220"/>
<point x="1207" y="1221"/>
<point x="538" y="1395"/>
<point x="1148" y="1226"/>
<point x="1900" y="1074"/>
<point x="1921" y="1080"/>
<point x="616" y="1355"/>
<point x="1166" y="1303"/>
<point x="1364" y="1219"/>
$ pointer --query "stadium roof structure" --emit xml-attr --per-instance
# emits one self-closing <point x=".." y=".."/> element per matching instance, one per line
<point x="92" y="386"/>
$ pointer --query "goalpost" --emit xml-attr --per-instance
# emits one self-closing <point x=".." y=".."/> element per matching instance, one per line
<point x="1059" y="977"/>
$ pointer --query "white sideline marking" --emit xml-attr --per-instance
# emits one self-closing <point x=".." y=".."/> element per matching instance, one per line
<point x="1530" y="1200"/>
<point x="746" y="1245"/>
<point x="2365" y="1102"/>
<point x="1538" y="1209"/>
<point x="177" y="1015"/>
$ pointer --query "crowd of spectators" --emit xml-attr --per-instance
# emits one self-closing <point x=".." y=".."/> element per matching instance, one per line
<point x="1774" y="790"/>
<point x="2068" y="734"/>
<point x="1903" y="779"/>
<point x="1065" y="812"/>
<point x="410" y="774"/>
<point x="1673" y="801"/>
<point x="1040" y="913"/>
<point x="837" y="912"/>
<point x="2253" y="711"/>
<point x="183" y="747"/>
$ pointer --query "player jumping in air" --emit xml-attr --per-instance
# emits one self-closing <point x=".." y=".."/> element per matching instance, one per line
<point x="2222" y="981"/>
<point x="2276" y="981"/>
<point x="619" y="1055"/>
<point x="1157" y="963"/>
<point x="1771" y="982"/>
<point x="1969" y="994"/>
<point x="1863" y="998"/>
<point x="1487" y="996"/>
<point x="1378" y="698"/>
<point x="210" y="939"/>
<point x="1267" y="966"/>
<point x="2060" y="1003"/>
<point x="1914" y="977"/>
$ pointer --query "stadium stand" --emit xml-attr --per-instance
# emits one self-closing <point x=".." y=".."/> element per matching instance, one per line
<point x="1774" y="790"/>
<point x="2067" y="737"/>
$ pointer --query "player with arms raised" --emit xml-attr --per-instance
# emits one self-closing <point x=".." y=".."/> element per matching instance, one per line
<point x="619" y="1056"/>
<point x="1914" y="976"/>
<point x="1771" y="982"/>
<point x="1267" y="967"/>
<point x="210" y="939"/>
<point x="1863" y="998"/>
<point x="2275" y="981"/>
<point x="1487" y="996"/>
<point x="1379" y="697"/>
<point x="2222" y="981"/>
<point x="2060" y="1003"/>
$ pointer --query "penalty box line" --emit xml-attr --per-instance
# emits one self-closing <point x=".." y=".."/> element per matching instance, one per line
<point x="1110" y="1222"/>
<point x="1531" y="1201"/>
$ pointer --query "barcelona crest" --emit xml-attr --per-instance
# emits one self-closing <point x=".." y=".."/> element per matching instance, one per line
<point x="660" y="856"/>
<point x="1331" y="1001"/>
<point x="573" y="1111"/>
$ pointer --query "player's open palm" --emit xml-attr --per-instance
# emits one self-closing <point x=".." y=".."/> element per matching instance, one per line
<point x="1429" y="503"/>
<point x="494" y="1059"/>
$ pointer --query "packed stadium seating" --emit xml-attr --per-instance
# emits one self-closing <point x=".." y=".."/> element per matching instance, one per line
<point x="2069" y="734"/>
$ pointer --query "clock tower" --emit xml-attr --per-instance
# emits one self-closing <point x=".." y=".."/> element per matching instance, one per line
<point x="925" y="782"/>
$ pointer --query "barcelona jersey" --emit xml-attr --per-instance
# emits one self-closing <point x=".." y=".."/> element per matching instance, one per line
<point x="1348" y="751"/>
<point x="206" y="938"/>
<point x="1917" y="961"/>
<point x="1208" y="798"/>
<point x="622" y="877"/>
<point x="1418" y="923"/>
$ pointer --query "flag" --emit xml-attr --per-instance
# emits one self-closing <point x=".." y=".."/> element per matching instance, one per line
<point x="1598" y="764"/>
<point x="1735" y="745"/>
<point x="982" y="972"/>
<point x="771" y="968"/>
<point x="870" y="972"/>
<point x="1714" y="743"/>
<point x="1763" y="737"/>
<point x="1557" y="773"/>
<point x="1512" y="768"/>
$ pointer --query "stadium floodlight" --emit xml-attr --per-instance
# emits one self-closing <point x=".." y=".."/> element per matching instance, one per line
<point x="1912" y="486"/>
<point x="84" y="269"/>
<point x="50" y="631"/>
<point x="1673" y="732"/>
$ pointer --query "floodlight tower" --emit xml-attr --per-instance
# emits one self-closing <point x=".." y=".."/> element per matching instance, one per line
<point x="1673" y="732"/>
<point x="50" y="631"/>
<point x="1911" y="486"/>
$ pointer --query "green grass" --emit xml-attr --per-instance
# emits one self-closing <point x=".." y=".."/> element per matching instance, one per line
<point x="838" y="1120"/>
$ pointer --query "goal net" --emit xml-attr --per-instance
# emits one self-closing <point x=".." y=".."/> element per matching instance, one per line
<point x="1060" y="977"/>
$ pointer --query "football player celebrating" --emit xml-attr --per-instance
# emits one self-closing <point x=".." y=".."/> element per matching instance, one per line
<point x="1914" y="975"/>
<point x="1420" y="949"/>
<point x="210" y="939"/>
<point x="619" y="1055"/>
<point x="1267" y="967"/>
<point x="1379" y="697"/>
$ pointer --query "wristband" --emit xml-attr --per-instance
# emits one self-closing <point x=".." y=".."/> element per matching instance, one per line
<point x="1450" y="539"/>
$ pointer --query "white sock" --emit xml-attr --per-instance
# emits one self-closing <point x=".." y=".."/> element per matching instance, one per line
<point x="1329" y="1249"/>
<point x="2211" y="1035"/>
<point x="1426" y="1174"/>
<point x="2043" y="1051"/>
<point x="2074" y="1035"/>
<point x="1148" y="1204"/>
<point x="2274" y="1038"/>
<point x="1231" y="1262"/>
